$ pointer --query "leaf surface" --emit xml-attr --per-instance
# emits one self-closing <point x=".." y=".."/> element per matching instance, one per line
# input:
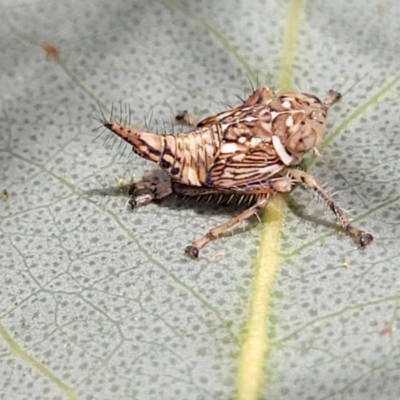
<point x="99" y="302"/>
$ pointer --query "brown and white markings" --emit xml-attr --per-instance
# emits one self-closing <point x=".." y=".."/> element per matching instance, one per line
<point x="252" y="150"/>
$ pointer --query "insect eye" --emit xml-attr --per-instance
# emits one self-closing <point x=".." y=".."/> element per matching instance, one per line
<point x="306" y="141"/>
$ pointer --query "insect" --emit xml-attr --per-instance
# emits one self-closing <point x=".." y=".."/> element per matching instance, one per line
<point x="250" y="151"/>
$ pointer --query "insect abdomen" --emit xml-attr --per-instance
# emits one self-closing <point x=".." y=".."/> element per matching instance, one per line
<point x="186" y="157"/>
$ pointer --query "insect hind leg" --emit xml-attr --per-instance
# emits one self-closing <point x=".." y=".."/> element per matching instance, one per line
<point x="363" y="238"/>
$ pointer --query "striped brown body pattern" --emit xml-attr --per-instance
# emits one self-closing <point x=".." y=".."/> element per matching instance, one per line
<point x="250" y="151"/>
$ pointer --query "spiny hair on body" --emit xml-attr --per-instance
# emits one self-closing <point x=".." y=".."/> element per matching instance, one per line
<point x="123" y="117"/>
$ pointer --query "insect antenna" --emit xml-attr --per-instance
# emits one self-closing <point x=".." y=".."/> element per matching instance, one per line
<point x="356" y="83"/>
<point x="334" y="96"/>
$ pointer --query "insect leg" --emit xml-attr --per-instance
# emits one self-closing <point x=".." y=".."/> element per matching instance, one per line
<point x="193" y="249"/>
<point x="187" y="118"/>
<point x="259" y="96"/>
<point x="154" y="189"/>
<point x="363" y="238"/>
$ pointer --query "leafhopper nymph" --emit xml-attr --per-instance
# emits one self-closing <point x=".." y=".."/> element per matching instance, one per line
<point x="251" y="151"/>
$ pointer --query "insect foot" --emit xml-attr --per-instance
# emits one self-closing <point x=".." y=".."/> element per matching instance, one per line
<point x="192" y="252"/>
<point x="363" y="239"/>
<point x="243" y="154"/>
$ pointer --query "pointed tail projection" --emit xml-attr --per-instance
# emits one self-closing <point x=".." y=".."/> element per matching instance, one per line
<point x="186" y="157"/>
<point x="145" y="144"/>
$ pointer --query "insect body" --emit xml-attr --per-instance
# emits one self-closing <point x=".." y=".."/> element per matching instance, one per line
<point x="251" y="150"/>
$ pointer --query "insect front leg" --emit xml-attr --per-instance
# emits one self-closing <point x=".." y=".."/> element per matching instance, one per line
<point x="363" y="238"/>
<point x="154" y="188"/>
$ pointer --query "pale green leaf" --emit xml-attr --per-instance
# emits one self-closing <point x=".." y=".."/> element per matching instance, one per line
<point x="100" y="302"/>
